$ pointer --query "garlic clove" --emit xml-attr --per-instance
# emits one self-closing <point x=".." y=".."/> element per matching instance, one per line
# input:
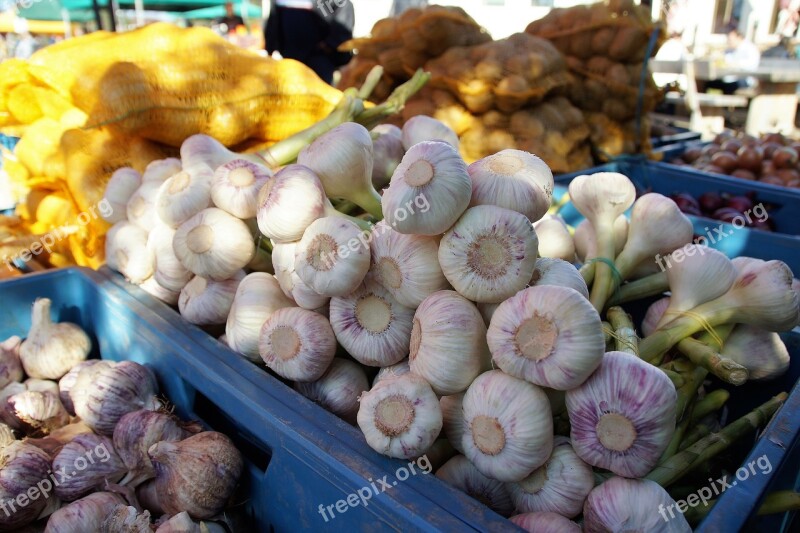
<point x="10" y="365"/>
<point x="161" y="169"/>
<point x="405" y="265"/>
<point x="51" y="349"/>
<point x="632" y="505"/>
<point x="213" y="244"/>
<point x="762" y="352"/>
<point x="119" y="189"/>
<point x="554" y="238"/>
<point x="126" y="519"/>
<point x="559" y="486"/>
<point x="102" y="466"/>
<point x="387" y="152"/>
<point x="127" y="252"/>
<point x="40" y="413"/>
<point x="197" y="475"/>
<point x="515" y="180"/>
<point x="297" y="344"/>
<point x="453" y="419"/>
<point x="429" y="190"/>
<point x="545" y="522"/>
<point x="333" y="257"/>
<point x="509" y="426"/>
<point x="169" y="272"/>
<point x="586" y="240"/>
<point x="141" y="207"/>
<point x="557" y="272"/>
<point x="371" y="325"/>
<point x="257" y="297"/>
<point x="623" y="416"/>
<point x="489" y="254"/>
<point x="184" y="195"/>
<point x="207" y="302"/>
<point x="23" y="466"/>
<point x="291" y="284"/>
<point x="458" y="472"/>
<point x="400" y="416"/>
<point x="448" y="342"/>
<point x="654" y="315"/>
<point x="86" y="514"/>
<point x="422" y="128"/>
<point x="235" y="187"/>
<point x="548" y="335"/>
<point x="338" y="389"/>
<point x="392" y="371"/>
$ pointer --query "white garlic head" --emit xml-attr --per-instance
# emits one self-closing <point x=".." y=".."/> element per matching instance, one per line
<point x="127" y="252"/>
<point x="51" y="349"/>
<point x="236" y="185"/>
<point x="338" y="389"/>
<point x="161" y="169"/>
<point x="207" y="302"/>
<point x="458" y="472"/>
<point x="762" y="352"/>
<point x="184" y="195"/>
<point x="387" y="152"/>
<point x="424" y="128"/>
<point x="141" y="207"/>
<point x="549" y="271"/>
<point x="10" y="365"/>
<point x="453" y="419"/>
<point x="555" y="240"/>
<point x="291" y="284"/>
<point x="545" y="522"/>
<point x="297" y="344"/>
<point x="119" y="189"/>
<point x="169" y="271"/>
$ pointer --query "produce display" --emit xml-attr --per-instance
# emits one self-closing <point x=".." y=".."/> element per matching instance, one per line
<point x="88" y="445"/>
<point x="772" y="158"/>
<point x="725" y="207"/>
<point x="444" y="326"/>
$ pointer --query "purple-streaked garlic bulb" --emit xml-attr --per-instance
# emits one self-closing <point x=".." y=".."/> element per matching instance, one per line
<point x="400" y="416"/>
<point x="548" y="335"/>
<point x="424" y="128"/>
<point x="6" y="411"/>
<point x="207" y="302"/>
<point x="387" y="152"/>
<point x="545" y="522"/>
<point x="550" y="271"/>
<point x="147" y="496"/>
<point x="509" y="426"/>
<point x="623" y="416"/>
<point x="586" y="241"/>
<point x="66" y="383"/>
<point x="489" y="254"/>
<point x="515" y="180"/>
<point x="448" y="342"/>
<point x="395" y="370"/>
<point x="333" y="257"/>
<point x="39" y="412"/>
<point x="338" y="389"/>
<point x="554" y="238"/>
<point x="406" y="265"/>
<point x="560" y="485"/>
<point x="429" y="191"/>
<point x="22" y="466"/>
<point x="291" y="284"/>
<point x="654" y="315"/>
<point x="86" y="514"/>
<point x="126" y="519"/>
<point x="236" y="185"/>
<point x="297" y="344"/>
<point x="458" y="472"/>
<point x="762" y="352"/>
<point x="453" y="419"/>
<point x="371" y="325"/>
<point x="621" y="504"/>
<point x="10" y="365"/>
<point x="99" y="461"/>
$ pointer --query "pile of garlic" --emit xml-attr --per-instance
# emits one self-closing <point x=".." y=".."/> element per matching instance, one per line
<point x="86" y="445"/>
<point x="462" y="307"/>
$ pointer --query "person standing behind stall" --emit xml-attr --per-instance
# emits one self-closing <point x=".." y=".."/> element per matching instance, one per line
<point x="742" y="55"/>
<point x="310" y="32"/>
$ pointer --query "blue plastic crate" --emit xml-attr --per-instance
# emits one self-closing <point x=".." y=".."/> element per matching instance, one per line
<point x="682" y="135"/>
<point x="298" y="456"/>
<point x="8" y="141"/>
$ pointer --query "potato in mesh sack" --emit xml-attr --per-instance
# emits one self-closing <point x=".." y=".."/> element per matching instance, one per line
<point x="611" y="138"/>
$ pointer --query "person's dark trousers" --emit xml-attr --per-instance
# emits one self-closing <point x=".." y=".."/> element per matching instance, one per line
<point x="727" y="87"/>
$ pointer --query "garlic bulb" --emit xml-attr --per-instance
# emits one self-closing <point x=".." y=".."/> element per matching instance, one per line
<point x="213" y="244"/>
<point x="623" y="416"/>
<point x="6" y="435"/>
<point x="39" y="412"/>
<point x="453" y="419"/>
<point x="161" y="169"/>
<point x="653" y="316"/>
<point x="197" y="475"/>
<point x="371" y="325"/>
<point x="549" y="271"/>
<point x="448" y="342"/>
<point x="560" y="485"/>
<point x="257" y="297"/>
<point x="429" y="190"/>
<point x="291" y="284"/>
<point x="509" y="426"/>
<point x="66" y="383"/>
<point x="489" y="254"/>
<point x="332" y="258"/>
<point x="182" y="523"/>
<point x="297" y="344"/>
<point x="548" y="335"/>
<point x="392" y="371"/>
<point x="515" y="180"/>
<point x="141" y="207"/>
<point x="22" y="466"/>
<point x="156" y="290"/>
<point x="762" y="352"/>
<point x="127" y="252"/>
<point x="169" y="272"/>
<point x="51" y="349"/>
<point x="235" y="187"/>
<point x="136" y="432"/>
<point x="86" y="514"/>
<point x="55" y="441"/>
<point x="545" y="522"/>
<point x="458" y="472"/>
<point x="342" y="159"/>
<point x="10" y="365"/>
<point x="487" y="311"/>
<point x="338" y="389"/>
<point x="7" y="415"/>
<point x="290" y="202"/>
<point x="119" y="189"/>
<point x="698" y="275"/>
<point x="148" y="497"/>
<point x="106" y="391"/>
<point x="387" y="152"/>
<point x="202" y="148"/>
<point x="406" y="265"/>
<point x="206" y="302"/>
<point x="621" y="504"/>
<point x="424" y="128"/>
<point x="554" y="238"/>
<point x="184" y="195"/>
<point x="126" y="519"/>
<point x="586" y="241"/>
<point x="95" y="462"/>
<point x="41" y="385"/>
<point x="400" y="416"/>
